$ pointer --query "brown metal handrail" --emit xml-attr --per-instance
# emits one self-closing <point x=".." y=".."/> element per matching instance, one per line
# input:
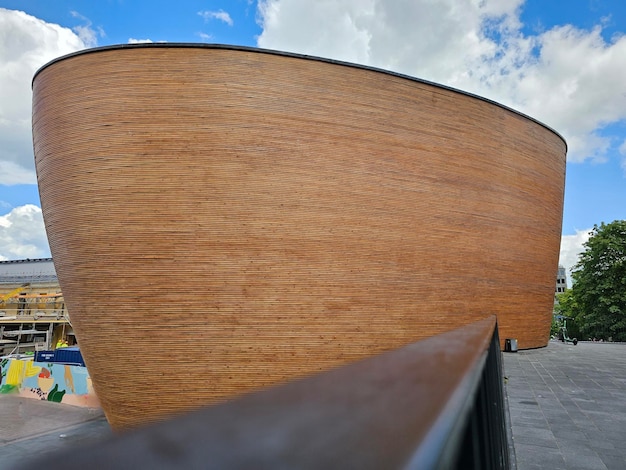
<point x="437" y="403"/>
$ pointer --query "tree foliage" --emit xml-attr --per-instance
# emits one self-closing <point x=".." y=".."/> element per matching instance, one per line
<point x="598" y="295"/>
<point x="566" y="307"/>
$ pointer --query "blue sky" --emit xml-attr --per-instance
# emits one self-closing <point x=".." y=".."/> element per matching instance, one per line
<point x="563" y="66"/>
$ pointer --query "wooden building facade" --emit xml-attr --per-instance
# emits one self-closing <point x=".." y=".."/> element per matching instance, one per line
<point x="263" y="216"/>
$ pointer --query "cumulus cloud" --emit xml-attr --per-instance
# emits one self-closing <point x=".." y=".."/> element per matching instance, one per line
<point x="569" y="78"/>
<point x="26" y="43"/>
<point x="216" y="15"/>
<point x="22" y="234"/>
<point x="571" y="248"/>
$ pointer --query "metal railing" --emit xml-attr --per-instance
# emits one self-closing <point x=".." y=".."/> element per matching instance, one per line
<point x="437" y="403"/>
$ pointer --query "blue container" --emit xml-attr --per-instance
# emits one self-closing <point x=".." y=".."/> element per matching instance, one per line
<point x="70" y="356"/>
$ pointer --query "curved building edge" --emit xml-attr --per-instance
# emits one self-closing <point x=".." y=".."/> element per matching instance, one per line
<point x="190" y="45"/>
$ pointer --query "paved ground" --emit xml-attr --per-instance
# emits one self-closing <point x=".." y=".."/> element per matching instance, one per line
<point x="32" y="428"/>
<point x="567" y="405"/>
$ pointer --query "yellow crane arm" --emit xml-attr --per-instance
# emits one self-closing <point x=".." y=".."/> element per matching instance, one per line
<point x="6" y="297"/>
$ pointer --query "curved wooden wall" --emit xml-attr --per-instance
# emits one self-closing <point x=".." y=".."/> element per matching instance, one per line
<point x="222" y="219"/>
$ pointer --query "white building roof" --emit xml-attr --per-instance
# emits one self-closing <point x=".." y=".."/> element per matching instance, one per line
<point x="27" y="270"/>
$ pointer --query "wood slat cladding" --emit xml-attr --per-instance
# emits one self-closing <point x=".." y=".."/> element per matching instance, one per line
<point x="222" y="219"/>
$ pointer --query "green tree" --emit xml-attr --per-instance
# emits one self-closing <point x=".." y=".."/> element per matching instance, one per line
<point x="599" y="289"/>
<point x="567" y="308"/>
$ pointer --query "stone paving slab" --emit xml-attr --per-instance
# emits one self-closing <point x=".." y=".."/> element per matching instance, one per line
<point x="567" y="406"/>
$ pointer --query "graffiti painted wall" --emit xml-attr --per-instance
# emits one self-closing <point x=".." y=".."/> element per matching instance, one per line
<point x="48" y="381"/>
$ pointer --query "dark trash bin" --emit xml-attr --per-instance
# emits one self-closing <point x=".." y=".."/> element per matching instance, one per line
<point x="510" y="345"/>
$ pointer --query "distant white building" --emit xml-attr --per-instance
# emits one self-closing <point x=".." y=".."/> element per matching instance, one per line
<point x="561" y="280"/>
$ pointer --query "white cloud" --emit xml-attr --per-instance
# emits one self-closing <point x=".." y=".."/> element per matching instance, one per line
<point x="22" y="234"/>
<point x="86" y="32"/>
<point x="440" y="41"/>
<point x="216" y="15"/>
<point x="571" y="248"/>
<point x="11" y="173"/>
<point x="339" y="30"/>
<point x="26" y="43"/>
<point x="568" y="78"/>
<point x="139" y="41"/>
<point x="577" y="87"/>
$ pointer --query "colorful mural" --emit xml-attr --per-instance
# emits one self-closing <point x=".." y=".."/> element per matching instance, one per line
<point x="59" y="383"/>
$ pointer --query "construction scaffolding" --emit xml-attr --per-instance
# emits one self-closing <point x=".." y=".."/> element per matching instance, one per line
<point x="33" y="315"/>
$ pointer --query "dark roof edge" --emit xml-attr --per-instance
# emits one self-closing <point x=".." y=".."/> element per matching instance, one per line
<point x="295" y="55"/>
<point x="27" y="260"/>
